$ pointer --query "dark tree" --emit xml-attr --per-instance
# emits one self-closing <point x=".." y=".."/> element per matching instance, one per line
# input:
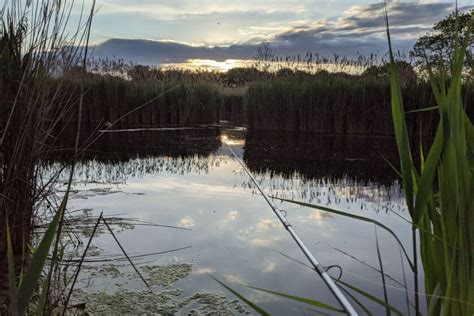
<point x="438" y="45"/>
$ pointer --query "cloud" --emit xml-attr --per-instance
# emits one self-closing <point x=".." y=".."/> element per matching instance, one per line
<point x="186" y="222"/>
<point x="361" y="29"/>
<point x="209" y="29"/>
<point x="266" y="224"/>
<point x="179" y="8"/>
<point x="163" y="52"/>
<point x="400" y="14"/>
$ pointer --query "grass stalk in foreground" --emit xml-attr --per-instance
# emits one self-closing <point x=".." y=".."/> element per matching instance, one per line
<point x="295" y="298"/>
<point x="444" y="207"/>
<point x="35" y="45"/>
<point x="241" y="297"/>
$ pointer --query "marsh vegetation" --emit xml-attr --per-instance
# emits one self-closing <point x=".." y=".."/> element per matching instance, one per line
<point x="118" y="193"/>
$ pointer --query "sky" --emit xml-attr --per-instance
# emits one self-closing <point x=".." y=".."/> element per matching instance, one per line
<point x="159" y="31"/>
<point x="217" y="22"/>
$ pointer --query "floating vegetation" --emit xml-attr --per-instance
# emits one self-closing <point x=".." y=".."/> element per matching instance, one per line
<point x="156" y="275"/>
<point x="109" y="270"/>
<point x="86" y="194"/>
<point x="94" y="251"/>
<point x="166" y="302"/>
<point x="126" y="302"/>
<point x="167" y="275"/>
<point x="212" y="303"/>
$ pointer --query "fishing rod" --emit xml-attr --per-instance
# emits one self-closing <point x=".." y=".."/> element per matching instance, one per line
<point x="281" y="214"/>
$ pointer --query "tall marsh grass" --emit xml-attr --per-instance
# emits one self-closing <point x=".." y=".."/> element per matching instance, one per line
<point x="108" y="98"/>
<point x="343" y="101"/>
<point x="338" y="104"/>
<point x="37" y="46"/>
<point x="34" y="46"/>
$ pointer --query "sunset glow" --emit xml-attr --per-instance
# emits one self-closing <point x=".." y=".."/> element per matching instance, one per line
<point x="209" y="64"/>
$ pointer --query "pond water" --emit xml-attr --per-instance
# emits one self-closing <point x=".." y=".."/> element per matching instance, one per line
<point x="188" y="179"/>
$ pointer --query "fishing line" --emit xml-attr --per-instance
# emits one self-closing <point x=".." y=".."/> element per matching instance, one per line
<point x="281" y="214"/>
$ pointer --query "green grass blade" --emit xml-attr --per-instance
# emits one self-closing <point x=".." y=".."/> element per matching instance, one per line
<point x="23" y="254"/>
<point x="40" y="307"/>
<point x="368" y="265"/>
<point x="391" y="165"/>
<point x="357" y="301"/>
<point x="405" y="282"/>
<point x="35" y="267"/>
<point x="370" y="297"/>
<point x="11" y="274"/>
<point x="403" y="144"/>
<point x="431" y="108"/>
<point x="433" y="303"/>
<point x="362" y="292"/>
<point x="241" y="297"/>
<point x="425" y="184"/>
<point x="379" y="256"/>
<point x="442" y="212"/>
<point x="400" y="128"/>
<point x="300" y="299"/>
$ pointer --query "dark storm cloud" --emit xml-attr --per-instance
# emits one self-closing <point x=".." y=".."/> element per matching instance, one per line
<point x="360" y="30"/>
<point x="363" y="28"/>
<point x="162" y="52"/>
<point x="400" y="14"/>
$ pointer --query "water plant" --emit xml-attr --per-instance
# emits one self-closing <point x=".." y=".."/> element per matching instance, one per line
<point x="439" y="195"/>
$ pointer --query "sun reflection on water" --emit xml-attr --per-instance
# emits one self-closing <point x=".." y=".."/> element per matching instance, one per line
<point x="231" y="141"/>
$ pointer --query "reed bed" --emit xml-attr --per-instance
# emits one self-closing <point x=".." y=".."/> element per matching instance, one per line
<point x="232" y="106"/>
<point x="338" y="104"/>
<point x="110" y="97"/>
<point x="305" y="94"/>
<point x="286" y="100"/>
<point x="35" y="47"/>
<point x="38" y="46"/>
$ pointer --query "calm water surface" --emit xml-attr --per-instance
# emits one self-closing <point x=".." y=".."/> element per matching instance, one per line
<point x="189" y="179"/>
